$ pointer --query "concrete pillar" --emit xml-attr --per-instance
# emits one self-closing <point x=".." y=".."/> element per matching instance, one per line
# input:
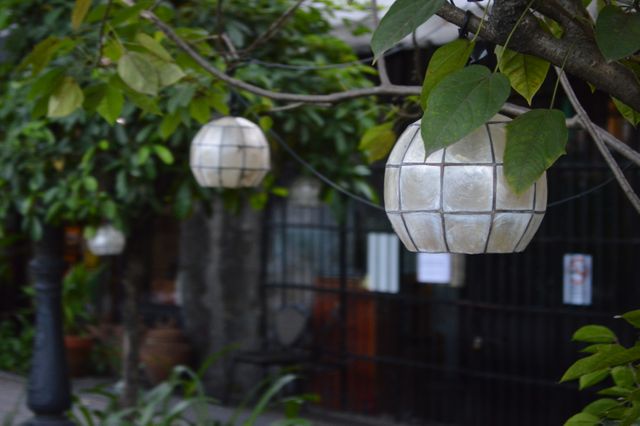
<point x="219" y="285"/>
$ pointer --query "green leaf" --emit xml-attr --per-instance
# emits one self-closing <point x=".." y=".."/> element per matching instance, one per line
<point x="138" y="73"/>
<point x="45" y="83"/>
<point x="218" y="101"/>
<point x="535" y="140"/>
<point x="599" y="407"/>
<point x="143" y="155"/>
<point x="265" y="123"/>
<point x="65" y="99"/>
<point x="629" y="114"/>
<point x="169" y="74"/>
<point x="154" y="47"/>
<point x="445" y="60"/>
<point x="169" y="125"/>
<point x="632" y="317"/>
<point x="42" y="54"/>
<point x="617" y="32"/>
<point x="462" y="102"/>
<point x="594" y="334"/>
<point x="525" y="72"/>
<point x="182" y="204"/>
<point x="631" y="415"/>
<point x="377" y="141"/>
<point x="199" y="110"/>
<point x="79" y="12"/>
<point x="590" y="363"/>
<point x="163" y="153"/>
<point x="402" y="18"/>
<point x="623" y="376"/>
<point x="615" y="391"/>
<point x="591" y="379"/>
<point x="583" y="419"/>
<point x="90" y="183"/>
<point x="111" y="105"/>
<point x="592" y="349"/>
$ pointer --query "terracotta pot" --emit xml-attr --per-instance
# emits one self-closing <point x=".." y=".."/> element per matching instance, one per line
<point x="164" y="348"/>
<point x="78" y="354"/>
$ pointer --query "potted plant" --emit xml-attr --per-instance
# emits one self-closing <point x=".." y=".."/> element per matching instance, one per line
<point x="77" y="288"/>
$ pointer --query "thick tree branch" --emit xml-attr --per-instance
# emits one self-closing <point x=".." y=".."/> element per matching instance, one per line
<point x="583" y="59"/>
<point x="611" y="162"/>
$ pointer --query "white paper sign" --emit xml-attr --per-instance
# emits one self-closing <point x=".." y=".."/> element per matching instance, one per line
<point x="434" y="268"/>
<point x="577" y="279"/>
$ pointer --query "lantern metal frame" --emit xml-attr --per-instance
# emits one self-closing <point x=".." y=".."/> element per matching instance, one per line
<point x="470" y="209"/>
<point x="215" y="162"/>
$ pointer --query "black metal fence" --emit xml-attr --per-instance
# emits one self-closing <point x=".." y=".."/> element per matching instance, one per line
<point x="490" y="352"/>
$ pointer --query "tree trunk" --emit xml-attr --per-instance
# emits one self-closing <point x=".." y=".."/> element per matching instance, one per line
<point x="134" y="276"/>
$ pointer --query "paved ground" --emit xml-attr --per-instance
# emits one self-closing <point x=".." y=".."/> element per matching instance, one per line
<point x="13" y="410"/>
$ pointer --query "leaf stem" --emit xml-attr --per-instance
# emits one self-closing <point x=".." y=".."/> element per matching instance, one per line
<point x="555" y="88"/>
<point x="513" y="30"/>
<point x="484" y="15"/>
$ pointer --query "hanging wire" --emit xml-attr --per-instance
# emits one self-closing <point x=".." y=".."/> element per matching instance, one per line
<point x="308" y="166"/>
<point x="369" y="203"/>
<point x="587" y="191"/>
<point x="267" y="64"/>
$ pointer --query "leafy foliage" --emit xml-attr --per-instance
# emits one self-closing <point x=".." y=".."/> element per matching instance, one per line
<point x="160" y="406"/>
<point x="457" y="100"/>
<point x="78" y="287"/>
<point x="16" y="339"/>
<point x="607" y="359"/>
<point x="100" y="131"/>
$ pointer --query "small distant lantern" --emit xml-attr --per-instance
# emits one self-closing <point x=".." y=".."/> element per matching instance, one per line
<point x="305" y="192"/>
<point x="107" y="241"/>
<point x="230" y="152"/>
<point x="457" y="199"/>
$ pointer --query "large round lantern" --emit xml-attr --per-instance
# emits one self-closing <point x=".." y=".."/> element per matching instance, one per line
<point x="457" y="199"/>
<point x="230" y="152"/>
<point x="107" y="241"/>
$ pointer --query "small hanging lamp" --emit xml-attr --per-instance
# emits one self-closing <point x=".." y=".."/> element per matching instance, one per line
<point x="107" y="241"/>
<point x="305" y="192"/>
<point x="230" y="152"/>
<point x="457" y="199"/>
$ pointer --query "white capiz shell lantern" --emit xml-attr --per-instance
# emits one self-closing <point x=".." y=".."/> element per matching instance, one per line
<point x="230" y="152"/>
<point x="107" y="241"/>
<point x="457" y="199"/>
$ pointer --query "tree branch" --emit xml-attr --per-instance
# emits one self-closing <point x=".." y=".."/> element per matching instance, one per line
<point x="389" y="90"/>
<point x="611" y="162"/>
<point x="583" y="59"/>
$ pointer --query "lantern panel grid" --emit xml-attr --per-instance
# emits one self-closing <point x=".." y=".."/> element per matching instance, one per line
<point x="472" y="202"/>
<point x="230" y="152"/>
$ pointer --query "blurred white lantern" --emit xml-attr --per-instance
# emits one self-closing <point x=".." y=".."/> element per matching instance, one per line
<point x="457" y="200"/>
<point x="230" y="152"/>
<point x="305" y="192"/>
<point x="107" y="241"/>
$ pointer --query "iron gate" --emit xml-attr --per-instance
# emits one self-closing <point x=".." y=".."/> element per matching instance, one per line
<point x="488" y="353"/>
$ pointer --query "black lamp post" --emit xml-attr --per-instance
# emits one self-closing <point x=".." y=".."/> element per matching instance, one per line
<point x="49" y="390"/>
